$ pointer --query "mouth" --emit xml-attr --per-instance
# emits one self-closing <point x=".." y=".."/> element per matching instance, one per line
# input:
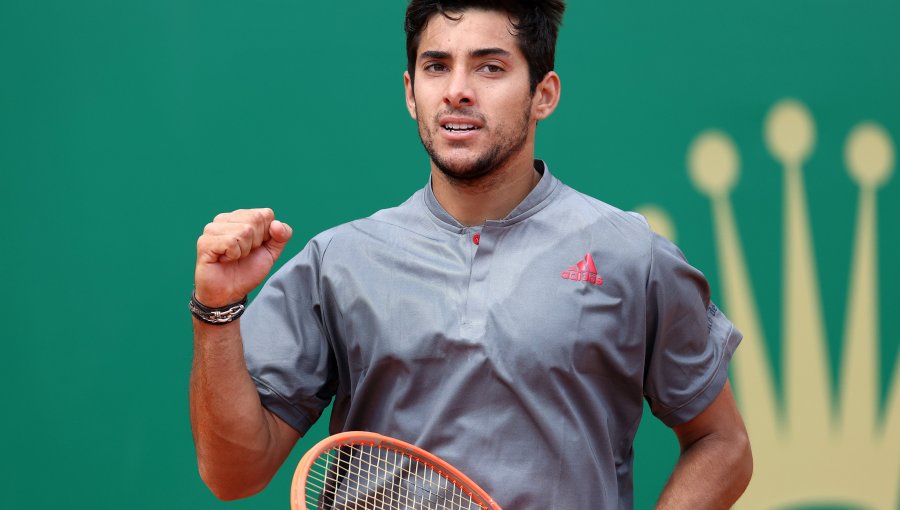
<point x="460" y="125"/>
<point x="455" y="127"/>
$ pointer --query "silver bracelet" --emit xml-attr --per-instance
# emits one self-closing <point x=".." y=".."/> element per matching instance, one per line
<point x="216" y="316"/>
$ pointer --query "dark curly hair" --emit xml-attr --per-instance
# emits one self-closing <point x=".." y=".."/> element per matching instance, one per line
<point x="536" y="23"/>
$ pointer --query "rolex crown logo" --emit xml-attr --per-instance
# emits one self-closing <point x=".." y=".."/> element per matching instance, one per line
<point x="812" y="445"/>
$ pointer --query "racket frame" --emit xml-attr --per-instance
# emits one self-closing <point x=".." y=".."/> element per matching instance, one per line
<point x="333" y="442"/>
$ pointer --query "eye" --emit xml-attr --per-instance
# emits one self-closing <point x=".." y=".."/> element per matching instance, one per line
<point x="491" y="68"/>
<point x="435" y="67"/>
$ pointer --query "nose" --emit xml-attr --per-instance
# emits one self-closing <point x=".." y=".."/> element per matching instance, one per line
<point x="459" y="91"/>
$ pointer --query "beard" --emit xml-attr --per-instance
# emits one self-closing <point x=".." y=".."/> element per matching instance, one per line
<point x="507" y="143"/>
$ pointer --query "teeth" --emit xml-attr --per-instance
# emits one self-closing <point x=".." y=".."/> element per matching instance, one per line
<point x="459" y="127"/>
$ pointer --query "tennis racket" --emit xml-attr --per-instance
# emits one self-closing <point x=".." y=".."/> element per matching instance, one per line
<point x="364" y="470"/>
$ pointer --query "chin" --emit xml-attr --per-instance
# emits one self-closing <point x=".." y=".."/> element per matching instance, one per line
<point x="466" y="174"/>
<point x="469" y="169"/>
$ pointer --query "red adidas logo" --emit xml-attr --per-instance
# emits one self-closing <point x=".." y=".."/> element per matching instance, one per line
<point x="584" y="271"/>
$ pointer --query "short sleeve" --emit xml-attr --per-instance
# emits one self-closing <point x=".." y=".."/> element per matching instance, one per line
<point x="689" y="340"/>
<point x="285" y="342"/>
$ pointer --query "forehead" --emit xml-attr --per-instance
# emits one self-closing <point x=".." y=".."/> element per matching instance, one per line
<point x="469" y="30"/>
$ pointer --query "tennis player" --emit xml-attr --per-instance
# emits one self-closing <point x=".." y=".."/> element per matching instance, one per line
<point x="498" y="318"/>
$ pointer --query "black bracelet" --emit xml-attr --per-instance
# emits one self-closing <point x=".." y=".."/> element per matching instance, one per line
<point x="216" y="316"/>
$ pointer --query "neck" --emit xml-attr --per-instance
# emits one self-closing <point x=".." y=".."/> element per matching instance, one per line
<point x="490" y="197"/>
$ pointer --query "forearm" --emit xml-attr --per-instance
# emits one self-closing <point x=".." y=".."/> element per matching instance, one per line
<point x="711" y="473"/>
<point x="233" y="433"/>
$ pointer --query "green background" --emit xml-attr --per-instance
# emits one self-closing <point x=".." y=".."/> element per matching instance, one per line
<point x="125" y="126"/>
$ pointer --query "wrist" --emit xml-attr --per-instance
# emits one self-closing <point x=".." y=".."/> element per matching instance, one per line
<point x="213" y="299"/>
<point x="218" y="315"/>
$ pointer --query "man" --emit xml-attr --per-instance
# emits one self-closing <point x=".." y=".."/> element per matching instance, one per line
<point x="497" y="318"/>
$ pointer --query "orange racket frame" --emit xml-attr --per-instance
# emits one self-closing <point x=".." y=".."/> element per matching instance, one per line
<point x="358" y="438"/>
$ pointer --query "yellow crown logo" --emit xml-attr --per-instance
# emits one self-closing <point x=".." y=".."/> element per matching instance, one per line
<point x="812" y="449"/>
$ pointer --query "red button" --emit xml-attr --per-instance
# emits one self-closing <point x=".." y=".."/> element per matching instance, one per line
<point x="476" y="238"/>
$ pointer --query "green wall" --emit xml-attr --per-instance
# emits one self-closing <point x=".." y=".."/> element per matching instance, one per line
<point x="125" y="126"/>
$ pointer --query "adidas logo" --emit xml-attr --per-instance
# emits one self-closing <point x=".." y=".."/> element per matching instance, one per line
<point x="583" y="271"/>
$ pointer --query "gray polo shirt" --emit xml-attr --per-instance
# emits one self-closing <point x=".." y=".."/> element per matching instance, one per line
<point x="520" y="351"/>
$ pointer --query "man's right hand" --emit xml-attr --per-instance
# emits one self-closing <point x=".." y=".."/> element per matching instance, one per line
<point x="235" y="254"/>
<point x="240" y="444"/>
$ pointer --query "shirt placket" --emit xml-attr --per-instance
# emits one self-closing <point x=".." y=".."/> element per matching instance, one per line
<point x="481" y="246"/>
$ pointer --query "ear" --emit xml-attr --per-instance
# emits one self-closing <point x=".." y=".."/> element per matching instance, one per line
<point x="546" y="96"/>
<point x="410" y="95"/>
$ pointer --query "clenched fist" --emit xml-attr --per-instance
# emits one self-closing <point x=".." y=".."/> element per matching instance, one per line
<point x="235" y="254"/>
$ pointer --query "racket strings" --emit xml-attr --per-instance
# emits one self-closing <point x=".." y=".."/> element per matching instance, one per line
<point x="371" y="477"/>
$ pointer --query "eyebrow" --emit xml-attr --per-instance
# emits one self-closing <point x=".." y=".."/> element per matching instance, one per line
<point x="489" y="52"/>
<point x="439" y="55"/>
<point x="479" y="53"/>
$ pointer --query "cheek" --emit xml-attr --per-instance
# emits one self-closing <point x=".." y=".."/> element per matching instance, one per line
<point x="424" y="105"/>
<point x="513" y="106"/>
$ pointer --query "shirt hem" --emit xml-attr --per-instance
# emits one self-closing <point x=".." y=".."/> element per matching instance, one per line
<point x="278" y="404"/>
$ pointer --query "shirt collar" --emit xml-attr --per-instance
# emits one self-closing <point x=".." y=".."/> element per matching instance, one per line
<point x="536" y="200"/>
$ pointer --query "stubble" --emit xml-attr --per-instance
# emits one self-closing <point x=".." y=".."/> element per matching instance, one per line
<point x="506" y="144"/>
